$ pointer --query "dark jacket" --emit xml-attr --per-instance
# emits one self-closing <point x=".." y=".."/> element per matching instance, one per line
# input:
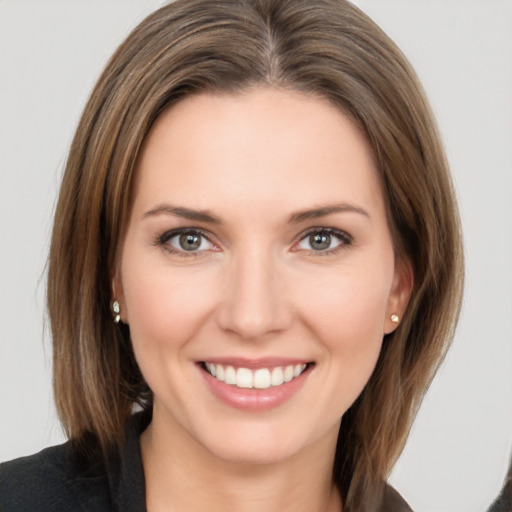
<point x="55" y="480"/>
<point x="503" y="503"/>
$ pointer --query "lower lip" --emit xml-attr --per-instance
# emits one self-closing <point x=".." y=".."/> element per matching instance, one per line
<point x="255" y="399"/>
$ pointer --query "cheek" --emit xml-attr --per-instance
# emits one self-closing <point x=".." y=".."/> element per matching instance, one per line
<point x="350" y="302"/>
<point x="347" y="323"/>
<point x="164" y="306"/>
<point x="346" y="311"/>
<point x="165" y="309"/>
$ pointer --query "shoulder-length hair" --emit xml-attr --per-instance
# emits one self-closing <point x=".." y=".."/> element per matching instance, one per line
<point x="327" y="48"/>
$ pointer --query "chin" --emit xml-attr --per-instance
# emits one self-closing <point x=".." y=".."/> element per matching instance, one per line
<point x="253" y="453"/>
<point x="264" y="444"/>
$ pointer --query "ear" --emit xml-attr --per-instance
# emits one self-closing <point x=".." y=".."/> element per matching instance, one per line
<point x="400" y="294"/>
<point x="118" y="294"/>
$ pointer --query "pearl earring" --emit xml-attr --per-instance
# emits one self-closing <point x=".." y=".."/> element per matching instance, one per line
<point x="394" y="318"/>
<point x="117" y="310"/>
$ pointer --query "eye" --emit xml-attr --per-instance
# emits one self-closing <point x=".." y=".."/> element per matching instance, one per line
<point x="324" y="240"/>
<point x="188" y="241"/>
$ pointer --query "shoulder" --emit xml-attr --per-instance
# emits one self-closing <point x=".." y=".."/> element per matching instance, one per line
<point x="503" y="503"/>
<point x="393" y="502"/>
<point x="53" y="480"/>
<point x="57" y="479"/>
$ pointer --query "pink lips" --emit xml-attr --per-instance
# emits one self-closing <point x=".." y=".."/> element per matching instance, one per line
<point x="255" y="399"/>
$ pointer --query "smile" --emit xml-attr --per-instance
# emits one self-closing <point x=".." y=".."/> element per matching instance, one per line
<point x="260" y="378"/>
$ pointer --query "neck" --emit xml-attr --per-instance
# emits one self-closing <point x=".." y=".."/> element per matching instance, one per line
<point x="181" y="475"/>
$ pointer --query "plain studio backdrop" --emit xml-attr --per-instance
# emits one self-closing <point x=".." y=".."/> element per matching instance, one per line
<point x="51" y="53"/>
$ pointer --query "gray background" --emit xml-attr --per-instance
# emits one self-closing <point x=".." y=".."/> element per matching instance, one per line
<point x="51" y="52"/>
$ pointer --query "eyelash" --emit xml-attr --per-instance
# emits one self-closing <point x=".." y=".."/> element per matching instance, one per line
<point x="344" y="238"/>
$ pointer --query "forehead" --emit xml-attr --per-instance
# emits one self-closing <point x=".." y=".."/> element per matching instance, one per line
<point x="261" y="147"/>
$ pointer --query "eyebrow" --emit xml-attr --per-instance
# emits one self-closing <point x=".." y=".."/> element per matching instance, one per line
<point x="323" y="211"/>
<point x="186" y="213"/>
<point x="294" y="218"/>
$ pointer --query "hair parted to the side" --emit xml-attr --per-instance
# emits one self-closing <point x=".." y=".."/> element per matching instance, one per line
<point x="327" y="48"/>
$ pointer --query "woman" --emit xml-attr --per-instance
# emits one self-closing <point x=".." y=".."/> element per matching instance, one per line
<point x="256" y="241"/>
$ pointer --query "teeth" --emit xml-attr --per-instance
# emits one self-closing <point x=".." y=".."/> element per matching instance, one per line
<point x="277" y="377"/>
<point x="211" y="368"/>
<point x="261" y="378"/>
<point x="230" y="375"/>
<point x="288" y="373"/>
<point x="244" y="378"/>
<point x="297" y="370"/>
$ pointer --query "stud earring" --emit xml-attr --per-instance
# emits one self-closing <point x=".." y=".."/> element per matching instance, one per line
<point x="394" y="318"/>
<point x="117" y="310"/>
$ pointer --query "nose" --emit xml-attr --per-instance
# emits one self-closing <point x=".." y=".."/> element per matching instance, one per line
<point x="254" y="301"/>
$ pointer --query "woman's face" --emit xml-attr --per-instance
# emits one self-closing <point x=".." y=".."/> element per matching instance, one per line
<point x="258" y="251"/>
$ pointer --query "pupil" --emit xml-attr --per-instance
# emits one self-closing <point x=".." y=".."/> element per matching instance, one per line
<point x="190" y="242"/>
<point x="320" y="241"/>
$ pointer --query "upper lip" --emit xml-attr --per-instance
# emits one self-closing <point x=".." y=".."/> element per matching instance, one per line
<point x="264" y="362"/>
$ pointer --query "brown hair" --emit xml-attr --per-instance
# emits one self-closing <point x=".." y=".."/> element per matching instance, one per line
<point x="324" y="47"/>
